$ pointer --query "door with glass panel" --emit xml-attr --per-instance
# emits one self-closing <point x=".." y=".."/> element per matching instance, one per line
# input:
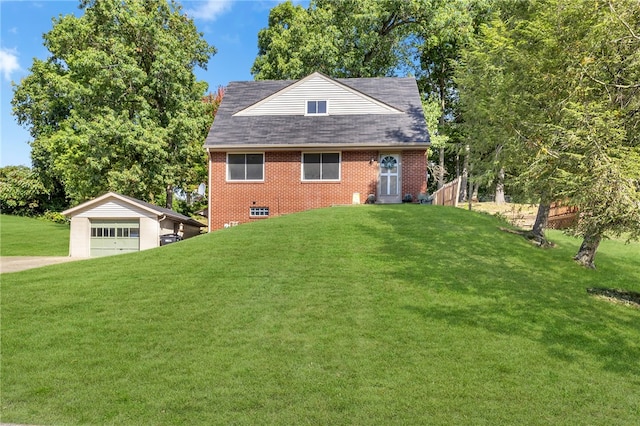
<point x="389" y="182"/>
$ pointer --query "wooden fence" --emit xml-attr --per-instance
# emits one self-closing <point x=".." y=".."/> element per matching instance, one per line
<point x="448" y="194"/>
<point x="561" y="216"/>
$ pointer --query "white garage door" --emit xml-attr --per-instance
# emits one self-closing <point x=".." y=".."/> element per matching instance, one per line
<point x="114" y="237"/>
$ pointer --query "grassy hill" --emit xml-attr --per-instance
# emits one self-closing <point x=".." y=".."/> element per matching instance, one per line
<point x="402" y="314"/>
<point x="25" y="236"/>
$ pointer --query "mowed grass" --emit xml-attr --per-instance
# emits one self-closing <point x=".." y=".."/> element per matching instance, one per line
<point x="402" y="314"/>
<point x="24" y="236"/>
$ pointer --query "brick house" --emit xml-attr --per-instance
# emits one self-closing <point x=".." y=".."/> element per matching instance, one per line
<point x="283" y="146"/>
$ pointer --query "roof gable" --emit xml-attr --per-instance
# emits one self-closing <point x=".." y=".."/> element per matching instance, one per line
<point x="111" y="196"/>
<point x="342" y="99"/>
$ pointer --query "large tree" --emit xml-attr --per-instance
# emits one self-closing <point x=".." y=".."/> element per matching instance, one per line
<point x="116" y="105"/>
<point x="341" y="38"/>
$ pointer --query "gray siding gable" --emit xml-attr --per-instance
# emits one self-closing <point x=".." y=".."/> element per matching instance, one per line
<point x="403" y="125"/>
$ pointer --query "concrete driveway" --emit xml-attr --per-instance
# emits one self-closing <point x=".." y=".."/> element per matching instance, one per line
<point x="21" y="263"/>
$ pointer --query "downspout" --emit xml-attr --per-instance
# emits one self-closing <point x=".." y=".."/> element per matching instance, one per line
<point x="164" y="216"/>
<point x="210" y="191"/>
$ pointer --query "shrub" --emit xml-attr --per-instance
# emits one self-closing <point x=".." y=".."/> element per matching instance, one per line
<point x="55" y="217"/>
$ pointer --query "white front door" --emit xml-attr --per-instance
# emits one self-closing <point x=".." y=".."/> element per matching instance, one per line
<point x="389" y="185"/>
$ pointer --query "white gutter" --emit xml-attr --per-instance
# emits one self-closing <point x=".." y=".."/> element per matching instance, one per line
<point x="317" y="146"/>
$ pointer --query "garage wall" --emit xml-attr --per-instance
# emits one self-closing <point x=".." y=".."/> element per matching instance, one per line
<point x="190" y="231"/>
<point x="168" y="226"/>
<point x="80" y="237"/>
<point x="149" y="233"/>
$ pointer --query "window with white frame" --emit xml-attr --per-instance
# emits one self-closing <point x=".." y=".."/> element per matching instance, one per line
<point x="259" y="211"/>
<point x="316" y="107"/>
<point x="245" y="167"/>
<point x="321" y="166"/>
<point x="114" y="231"/>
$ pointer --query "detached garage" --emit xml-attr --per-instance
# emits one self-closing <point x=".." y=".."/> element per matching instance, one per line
<point x="115" y="224"/>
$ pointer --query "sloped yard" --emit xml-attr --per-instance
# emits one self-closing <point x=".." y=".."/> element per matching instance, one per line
<point x="25" y="236"/>
<point x="400" y="314"/>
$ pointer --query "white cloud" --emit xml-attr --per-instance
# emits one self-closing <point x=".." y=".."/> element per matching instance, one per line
<point x="8" y="62"/>
<point x="209" y="10"/>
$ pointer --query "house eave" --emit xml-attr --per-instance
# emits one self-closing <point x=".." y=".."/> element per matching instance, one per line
<point x="318" y="146"/>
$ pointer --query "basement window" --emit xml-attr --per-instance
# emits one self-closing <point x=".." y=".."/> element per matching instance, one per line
<point x="259" y="211"/>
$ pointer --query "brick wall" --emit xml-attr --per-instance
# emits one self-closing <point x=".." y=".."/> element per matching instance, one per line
<point x="414" y="173"/>
<point x="283" y="190"/>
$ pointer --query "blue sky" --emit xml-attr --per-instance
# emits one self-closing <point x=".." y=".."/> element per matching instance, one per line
<point x="230" y="25"/>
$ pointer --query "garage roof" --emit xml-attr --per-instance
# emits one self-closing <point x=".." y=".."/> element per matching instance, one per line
<point x="151" y="208"/>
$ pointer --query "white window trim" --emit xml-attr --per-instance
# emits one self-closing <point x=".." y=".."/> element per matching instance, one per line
<point x="116" y="226"/>
<point x="306" y="108"/>
<point x="259" y="212"/>
<point x="321" y="180"/>
<point x="228" y="179"/>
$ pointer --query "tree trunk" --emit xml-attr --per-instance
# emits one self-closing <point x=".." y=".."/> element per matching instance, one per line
<point x="442" y="93"/>
<point x="500" y="187"/>
<point x="169" y="203"/>
<point x="441" y="169"/>
<point x="474" y="193"/>
<point x="542" y="217"/>
<point x="587" y="252"/>
<point x="465" y="176"/>
<point x="469" y="192"/>
<point x="540" y="225"/>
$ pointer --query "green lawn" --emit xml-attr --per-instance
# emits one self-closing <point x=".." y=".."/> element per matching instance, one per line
<point x="24" y="236"/>
<point x="403" y="314"/>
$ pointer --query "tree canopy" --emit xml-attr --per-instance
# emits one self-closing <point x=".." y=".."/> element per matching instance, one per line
<point x="556" y="83"/>
<point x="116" y="105"/>
<point x="21" y="191"/>
<point x="341" y="38"/>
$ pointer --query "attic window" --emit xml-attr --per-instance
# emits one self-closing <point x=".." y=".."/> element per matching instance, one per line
<point x="316" y="107"/>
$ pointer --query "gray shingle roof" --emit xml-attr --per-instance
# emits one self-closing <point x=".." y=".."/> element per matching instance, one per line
<point x="361" y="130"/>
<point x="171" y="214"/>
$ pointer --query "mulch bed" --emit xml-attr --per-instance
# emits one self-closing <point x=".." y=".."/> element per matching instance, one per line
<point x="624" y="297"/>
